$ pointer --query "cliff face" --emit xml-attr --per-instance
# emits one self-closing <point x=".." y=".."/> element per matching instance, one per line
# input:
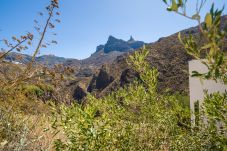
<point x="114" y="44"/>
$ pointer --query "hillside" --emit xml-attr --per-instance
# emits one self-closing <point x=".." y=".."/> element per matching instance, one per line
<point x="106" y="69"/>
<point x="167" y="55"/>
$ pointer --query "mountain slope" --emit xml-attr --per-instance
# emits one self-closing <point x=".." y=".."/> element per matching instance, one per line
<point x="167" y="55"/>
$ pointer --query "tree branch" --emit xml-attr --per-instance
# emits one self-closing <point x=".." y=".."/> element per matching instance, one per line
<point x="4" y="54"/>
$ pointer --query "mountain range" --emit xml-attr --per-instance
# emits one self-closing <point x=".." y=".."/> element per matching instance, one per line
<point x="106" y="69"/>
<point x="104" y="54"/>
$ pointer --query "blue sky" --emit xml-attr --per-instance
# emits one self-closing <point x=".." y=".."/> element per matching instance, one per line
<point x="88" y="23"/>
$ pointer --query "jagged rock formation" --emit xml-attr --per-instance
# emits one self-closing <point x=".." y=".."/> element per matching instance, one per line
<point x="99" y="48"/>
<point x="128" y="76"/>
<point x="111" y="50"/>
<point x="114" y="44"/>
<point x="100" y="81"/>
<point x="79" y="93"/>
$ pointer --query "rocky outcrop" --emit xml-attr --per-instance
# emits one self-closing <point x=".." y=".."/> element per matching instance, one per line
<point x="128" y="76"/>
<point x="114" y="47"/>
<point x="99" y="48"/>
<point x="103" y="79"/>
<point x="100" y="81"/>
<point x="104" y="54"/>
<point x="79" y="93"/>
<point x="114" y="44"/>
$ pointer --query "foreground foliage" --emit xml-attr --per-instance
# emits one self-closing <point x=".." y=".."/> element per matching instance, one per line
<point x="135" y="117"/>
<point x="212" y="53"/>
<point x="138" y="118"/>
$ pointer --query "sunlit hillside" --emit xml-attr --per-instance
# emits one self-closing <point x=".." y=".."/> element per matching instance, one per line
<point x="161" y="93"/>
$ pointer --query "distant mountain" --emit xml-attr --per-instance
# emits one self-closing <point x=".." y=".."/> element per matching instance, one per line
<point x="100" y="57"/>
<point x="49" y="60"/>
<point x="114" y="44"/>
<point x="22" y="58"/>
<point x="113" y="48"/>
<point x="104" y="54"/>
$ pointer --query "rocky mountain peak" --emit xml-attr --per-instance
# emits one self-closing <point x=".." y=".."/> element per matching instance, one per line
<point x="112" y="39"/>
<point x="131" y="39"/>
<point x="114" y="44"/>
<point x="99" y="48"/>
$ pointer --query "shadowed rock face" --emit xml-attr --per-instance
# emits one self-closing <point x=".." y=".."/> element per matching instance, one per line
<point x="114" y="44"/>
<point x="99" y="48"/>
<point x="79" y="93"/>
<point x="128" y="76"/>
<point x="101" y="81"/>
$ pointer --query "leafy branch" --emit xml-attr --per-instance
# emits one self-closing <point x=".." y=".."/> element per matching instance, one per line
<point x="211" y="53"/>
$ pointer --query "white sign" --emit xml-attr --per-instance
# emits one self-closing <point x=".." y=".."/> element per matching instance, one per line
<point x="197" y="86"/>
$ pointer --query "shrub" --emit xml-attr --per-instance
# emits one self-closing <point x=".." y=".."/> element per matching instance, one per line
<point x="136" y="117"/>
<point x="32" y="90"/>
<point x="133" y="118"/>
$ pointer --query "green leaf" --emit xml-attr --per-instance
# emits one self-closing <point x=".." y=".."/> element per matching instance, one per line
<point x="165" y="1"/>
<point x="212" y="52"/>
<point x="207" y="46"/>
<point x="179" y="37"/>
<point x="174" y="6"/>
<point x="220" y="60"/>
<point x="212" y="9"/>
<point x="208" y="20"/>
<point x="180" y="3"/>
<point x="169" y="9"/>
<point x="196" y="74"/>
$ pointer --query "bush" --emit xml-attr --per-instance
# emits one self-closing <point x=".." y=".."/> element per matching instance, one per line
<point x="137" y="118"/>
<point x="32" y="90"/>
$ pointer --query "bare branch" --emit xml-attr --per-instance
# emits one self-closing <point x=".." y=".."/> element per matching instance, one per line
<point x="14" y="47"/>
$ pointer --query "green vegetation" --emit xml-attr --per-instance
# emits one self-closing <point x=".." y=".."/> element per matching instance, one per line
<point x="135" y="117"/>
<point x="211" y="33"/>
<point x="138" y="118"/>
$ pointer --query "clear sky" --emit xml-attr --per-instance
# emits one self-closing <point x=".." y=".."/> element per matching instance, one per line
<point x="88" y="23"/>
